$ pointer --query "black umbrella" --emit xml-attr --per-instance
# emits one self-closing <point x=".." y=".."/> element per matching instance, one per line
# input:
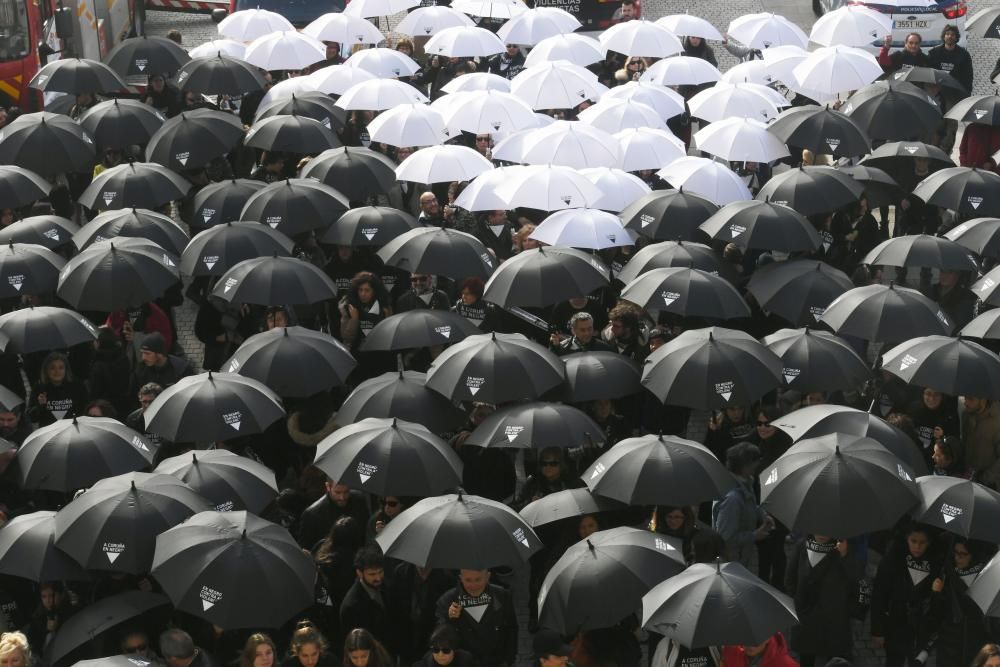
<point x="591" y="376"/>
<point x="969" y="191"/>
<point x="710" y="369"/>
<point x="293" y="361"/>
<point x="358" y="173"/>
<point x="459" y="532"/>
<point x="950" y="365"/>
<point x="896" y="158"/>
<point x="715" y="605"/>
<point x="75" y="453"/>
<point x="27" y="550"/>
<point x="798" y="290"/>
<point x="47" y="144"/>
<point x="194" y="138"/>
<point x="567" y="504"/>
<point x="687" y="293"/>
<point x="960" y="506"/>
<point x="978" y="109"/>
<point x="113" y="526"/>
<point x="821" y="130"/>
<point x="422" y="327"/>
<point x="932" y="77"/>
<point x="275" y="281"/>
<point x="921" y="250"/>
<point x="439" y="251"/>
<point x="310" y="104"/>
<point x="495" y="368"/>
<point x="50" y="231"/>
<point x="985" y="23"/>
<point x="817" y="361"/>
<point x="369" y="226"/>
<point x="99" y="617"/>
<point x="401" y="394"/>
<point x="980" y="235"/>
<point x="818" y="420"/>
<point x="985" y="325"/>
<point x="668" y="215"/>
<point x="840" y="485"/>
<point x="134" y="185"/>
<point x="985" y="288"/>
<point x="811" y="190"/>
<point x="221" y="202"/>
<point x="669" y="254"/>
<point x="295" y="205"/>
<point x="19" y="187"/>
<point x="291" y="134"/>
<point x="28" y="269"/>
<point x="135" y="223"/>
<point x="545" y="276"/>
<point x="76" y="75"/>
<point x="226" y="480"/>
<point x="575" y="593"/>
<point x="985" y="590"/>
<point x="212" y="407"/>
<point x="537" y="425"/>
<point x="658" y="470"/>
<point x="146" y="56"/>
<point x="219" y="248"/>
<point x="389" y="457"/>
<point x="885" y="313"/>
<point x="234" y="570"/>
<point x="121" y="123"/>
<point x="762" y="225"/>
<point x="893" y="110"/>
<point x="42" y="328"/>
<point x="881" y="189"/>
<point x="115" y="661"/>
<point x="219" y="75"/>
<point x="117" y="274"/>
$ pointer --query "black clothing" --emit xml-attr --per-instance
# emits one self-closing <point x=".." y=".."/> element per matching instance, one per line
<point x="487" y="625"/>
<point x="65" y="400"/>
<point x="319" y="517"/>
<point x="364" y="609"/>
<point x="165" y="375"/>
<point x="956" y="62"/>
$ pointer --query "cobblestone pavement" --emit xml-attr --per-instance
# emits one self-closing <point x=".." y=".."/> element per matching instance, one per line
<point x="200" y="28"/>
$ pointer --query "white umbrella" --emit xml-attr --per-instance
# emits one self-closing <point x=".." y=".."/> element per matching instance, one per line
<point x="486" y="112"/>
<point x="556" y="85"/>
<point x="343" y="29"/>
<point x="646" y="148"/>
<point x="247" y="25"/>
<point x="908" y="3"/>
<point x="336" y="79"/>
<point x="442" y="164"/>
<point x="851" y="25"/>
<point x="571" y="144"/>
<point x="611" y="115"/>
<point x="531" y="27"/>
<point x="587" y="228"/>
<point x="666" y="102"/>
<point x="766" y="30"/>
<point x="547" y="188"/>
<point x="511" y="148"/>
<point x="480" y="194"/>
<point x="477" y="81"/>
<point x="372" y="8"/>
<point x="379" y="95"/>
<point x="573" y="48"/>
<point x="837" y="69"/>
<point x="689" y="26"/>
<point x="287" y="50"/>
<point x="681" y="71"/>
<point x="494" y="9"/>
<point x="728" y="100"/>
<point x="740" y="140"/>
<point x="641" y="38"/>
<point x="781" y="60"/>
<point x="618" y="188"/>
<point x="409" y="125"/>
<point x="383" y="63"/>
<point x="227" y="47"/>
<point x="287" y="88"/>
<point x="425" y="21"/>
<point x="707" y="178"/>
<point x="751" y="71"/>
<point x="464" y="42"/>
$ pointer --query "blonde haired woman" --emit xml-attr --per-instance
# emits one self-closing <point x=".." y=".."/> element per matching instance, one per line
<point x="14" y="650"/>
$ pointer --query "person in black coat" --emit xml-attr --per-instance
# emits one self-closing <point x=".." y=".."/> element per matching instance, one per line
<point x="414" y="592"/>
<point x="309" y="647"/>
<point x="334" y="558"/>
<point x="318" y="518"/>
<point x="366" y="604"/>
<point x="934" y="417"/>
<point x="962" y="628"/>
<point x="110" y="373"/>
<point x="444" y="651"/>
<point x="57" y="395"/>
<point x="822" y="578"/>
<point x="483" y="614"/>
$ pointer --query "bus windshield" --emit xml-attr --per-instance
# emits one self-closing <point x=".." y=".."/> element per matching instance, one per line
<point x="15" y="39"/>
<point x="299" y="12"/>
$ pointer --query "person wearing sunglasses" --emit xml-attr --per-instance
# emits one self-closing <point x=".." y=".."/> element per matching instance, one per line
<point x="961" y="627"/>
<point x="443" y="650"/>
<point x="390" y="507"/>
<point x="771" y="558"/>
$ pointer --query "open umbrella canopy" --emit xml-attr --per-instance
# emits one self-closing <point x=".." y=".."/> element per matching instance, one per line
<point x="100" y="617"/>
<point x="893" y="110"/>
<point x="567" y="504"/>
<point x="285" y="50"/>
<point x="587" y="228"/>
<point x="18" y="186"/>
<point x="316" y="105"/>
<point x="669" y="254"/>
<point x="146" y="56"/>
<point x="220" y="75"/>
<point x="76" y="75"/>
<point x="595" y="375"/>
<point x="686" y="292"/>
<point x="817" y="360"/>
<point x="921" y="250"/>
<point x="735" y="100"/>
<point x="356" y="172"/>
<point x="952" y="366"/>
<point x="116" y="274"/>
<point x="681" y="71"/>
<point x="295" y="205"/>
<point x="438" y="251"/>
<point x="369" y="226"/>
<point x="402" y="395"/>
<point x="134" y="185"/>
<point x="226" y="480"/>
<point x="811" y="190"/>
<point x="383" y="62"/>
<point x="275" y="281"/>
<point x="967" y="190"/>
<point x="408" y="125"/>
<point x="798" y="290"/>
<point x="27" y="545"/>
<point x="421" y="327"/>
<point x="40" y="328"/>
<point x="47" y="144"/>
<point x="537" y="24"/>
<point x="537" y="425"/>
<point x="249" y="24"/>
<point x="885" y="313"/>
<point x="343" y="29"/>
<point x="669" y="215"/>
<point x="221" y="202"/>
<point x="641" y="38"/>
<point x="425" y="21"/>
<point x="50" y="231"/>
<point x="133" y="223"/>
<point x="218" y="249"/>
<point x="959" y="506"/>
<point x="194" y="138"/>
<point x="701" y="176"/>
<point x="291" y="133"/>
<point x="822" y="130"/>
<point x="28" y="269"/>
<point x="980" y="235"/>
<point x="764" y="31"/>
<point x="762" y="225"/>
<point x="977" y="109"/>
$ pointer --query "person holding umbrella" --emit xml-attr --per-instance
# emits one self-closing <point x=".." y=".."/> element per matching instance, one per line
<point x="771" y="559"/>
<point x="961" y="626"/>
<point x="934" y="416"/>
<point x="581" y="325"/>
<point x="738" y="518"/>
<point x="157" y="366"/>
<point x="57" y="395"/>
<point x="318" y="519"/>
<point x="483" y="615"/>
<point x="361" y="309"/>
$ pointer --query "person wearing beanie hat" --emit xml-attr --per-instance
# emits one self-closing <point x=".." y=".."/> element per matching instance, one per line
<point x="154" y="343"/>
<point x="157" y="365"/>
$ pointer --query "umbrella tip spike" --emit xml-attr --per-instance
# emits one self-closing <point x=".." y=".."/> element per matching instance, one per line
<point x="394" y="422"/>
<point x="590" y="545"/>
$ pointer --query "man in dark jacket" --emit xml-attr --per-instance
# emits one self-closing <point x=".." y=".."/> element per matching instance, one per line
<point x="158" y="366"/>
<point x="952" y="58"/>
<point x="319" y="517"/>
<point x="581" y="324"/>
<point x="422" y="295"/>
<point x="365" y="605"/>
<point x="910" y="56"/>
<point x="484" y="616"/>
<point x="507" y="64"/>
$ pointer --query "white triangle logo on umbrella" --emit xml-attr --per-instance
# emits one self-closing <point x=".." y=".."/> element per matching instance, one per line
<point x="598" y="469"/>
<point x="911" y="149"/>
<point x="974" y="202"/>
<point x="206" y="605"/>
<point x="736" y="230"/>
<point x="521" y="537"/>
<point x="772" y="477"/>
<point x="833" y="143"/>
<point x="949" y="512"/>
<point x="108" y="197"/>
<point x="167" y="261"/>
<point x="274" y="221"/>
<point x="645" y="220"/>
<point x="444" y="331"/>
<point x="183" y="158"/>
<point x="209" y="597"/>
<point x="52" y="234"/>
<point x="207" y="213"/>
<point x="790" y="374"/>
<point x="209" y="264"/>
<point x="669" y="297"/>
<point x="234" y="419"/>
<point x="112" y="557"/>
<point x="474" y="384"/>
<point x="907" y="361"/>
<point x="234" y="365"/>
<point x="979" y="113"/>
<point x="512" y="432"/>
<point x="230" y="284"/>
<point x="369" y="232"/>
<point x="113" y="550"/>
<point x="725" y="389"/>
<point x="366" y="471"/>
<point x="139" y="444"/>
<point x="987" y="284"/>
